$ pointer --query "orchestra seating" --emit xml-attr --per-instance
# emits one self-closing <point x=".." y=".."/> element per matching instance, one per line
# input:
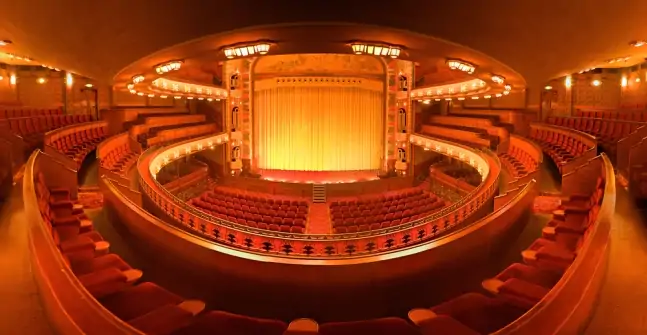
<point x="607" y="131"/>
<point x="382" y="211"/>
<point x="32" y="129"/>
<point x="262" y="212"/>
<point x="562" y="147"/>
<point x="520" y="286"/>
<point x="18" y="112"/>
<point x="76" y="142"/>
<point x="626" y="115"/>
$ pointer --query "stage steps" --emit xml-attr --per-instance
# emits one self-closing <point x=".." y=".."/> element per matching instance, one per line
<point x="318" y="193"/>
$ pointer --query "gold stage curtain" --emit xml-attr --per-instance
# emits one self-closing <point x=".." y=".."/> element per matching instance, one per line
<point x="308" y="128"/>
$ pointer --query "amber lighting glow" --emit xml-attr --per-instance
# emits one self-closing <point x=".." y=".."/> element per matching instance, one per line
<point x="69" y="79"/>
<point x="637" y="44"/>
<point x="162" y="85"/>
<point x="596" y="83"/>
<point x="623" y="82"/>
<point x="89" y="85"/>
<point x="4" y="42"/>
<point x="498" y="79"/>
<point x="12" y="79"/>
<point x="138" y="79"/>
<point x="548" y="88"/>
<point x="261" y="48"/>
<point x="618" y="60"/>
<point x="168" y="67"/>
<point x="385" y="50"/>
<point x="461" y="66"/>
<point x="41" y="80"/>
<point x="568" y="82"/>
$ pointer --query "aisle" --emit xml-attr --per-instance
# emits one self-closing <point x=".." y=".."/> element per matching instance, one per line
<point x="20" y="309"/>
<point x="319" y="220"/>
<point x="623" y="299"/>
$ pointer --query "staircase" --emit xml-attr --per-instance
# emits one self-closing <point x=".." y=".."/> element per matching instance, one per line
<point x="318" y="193"/>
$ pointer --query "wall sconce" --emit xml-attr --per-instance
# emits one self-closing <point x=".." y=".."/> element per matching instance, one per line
<point x="261" y="48"/>
<point x="360" y="48"/>
<point x="89" y="85"/>
<point x="12" y="79"/>
<point x="138" y="79"/>
<point x="41" y="80"/>
<point x="548" y="87"/>
<point x="461" y="66"/>
<point x="568" y="82"/>
<point x="69" y="79"/>
<point x="177" y="97"/>
<point x="596" y="83"/>
<point x="168" y="67"/>
<point x="623" y="82"/>
<point x="498" y="79"/>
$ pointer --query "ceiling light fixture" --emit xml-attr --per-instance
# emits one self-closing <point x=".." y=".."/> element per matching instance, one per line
<point x="209" y="99"/>
<point x="168" y="67"/>
<point x="507" y="87"/>
<point x="130" y="86"/>
<point x="4" y="42"/>
<point x="548" y="87"/>
<point x="141" y="94"/>
<point x="637" y="44"/>
<point x="133" y="92"/>
<point x="151" y="95"/>
<point x="506" y="92"/>
<point x="498" y="95"/>
<point x="475" y="98"/>
<point x="163" y="96"/>
<point x="261" y="48"/>
<point x="89" y="85"/>
<point x="487" y="96"/>
<point x="177" y="97"/>
<point x="498" y="79"/>
<point x="138" y="79"/>
<point x="376" y="49"/>
<point x="455" y="64"/>
<point x="618" y="60"/>
<point x="461" y="98"/>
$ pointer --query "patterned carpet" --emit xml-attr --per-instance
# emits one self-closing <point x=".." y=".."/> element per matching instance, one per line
<point x="546" y="204"/>
<point x="91" y="200"/>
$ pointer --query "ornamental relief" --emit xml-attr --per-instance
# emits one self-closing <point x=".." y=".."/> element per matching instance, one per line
<point x="319" y="64"/>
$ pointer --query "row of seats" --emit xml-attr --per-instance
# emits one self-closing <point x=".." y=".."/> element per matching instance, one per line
<point x="289" y="216"/>
<point x="518" y="162"/>
<point x="152" y="132"/>
<point x="78" y="144"/>
<point x="120" y="159"/>
<point x="561" y="148"/>
<point x="608" y="132"/>
<point x="389" y="206"/>
<point x="16" y="112"/>
<point x="520" y="286"/>
<point x="32" y="129"/>
<point x="114" y="283"/>
<point x="628" y="115"/>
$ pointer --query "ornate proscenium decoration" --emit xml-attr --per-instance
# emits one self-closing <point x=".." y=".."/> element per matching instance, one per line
<point x="374" y="49"/>
<point x="455" y="64"/>
<point x="138" y="79"/>
<point x="168" y="67"/>
<point x="498" y="79"/>
<point x="261" y="48"/>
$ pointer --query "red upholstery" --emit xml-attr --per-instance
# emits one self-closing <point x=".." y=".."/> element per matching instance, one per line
<point x="288" y="216"/>
<point x="163" y="320"/>
<point x="384" y="326"/>
<point x="138" y="300"/>
<point x="518" y="162"/>
<point x="443" y="324"/>
<point x="218" y="322"/>
<point x="530" y="274"/>
<point x="561" y="148"/>
<point x="476" y="311"/>
<point x="120" y="159"/>
<point x="104" y="282"/>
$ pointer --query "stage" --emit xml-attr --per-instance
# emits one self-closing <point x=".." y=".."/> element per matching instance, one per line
<point x="318" y="177"/>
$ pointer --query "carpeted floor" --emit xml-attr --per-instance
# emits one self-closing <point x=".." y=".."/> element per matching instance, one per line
<point x="319" y="220"/>
<point x="546" y="204"/>
<point x="91" y="200"/>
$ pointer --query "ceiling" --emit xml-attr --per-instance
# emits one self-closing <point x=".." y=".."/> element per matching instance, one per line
<point x="539" y="40"/>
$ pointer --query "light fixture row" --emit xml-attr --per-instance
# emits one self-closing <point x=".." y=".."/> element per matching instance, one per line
<point x="177" y="97"/>
<point x="474" y="97"/>
<point x="14" y="56"/>
<point x="618" y="60"/>
<point x="470" y="86"/>
<point x="260" y="48"/>
<point x="459" y="65"/>
<point x="367" y="48"/>
<point x="168" y="67"/>
<point x="174" y="86"/>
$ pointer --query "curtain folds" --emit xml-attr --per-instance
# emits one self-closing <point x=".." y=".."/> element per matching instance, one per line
<point x="318" y="128"/>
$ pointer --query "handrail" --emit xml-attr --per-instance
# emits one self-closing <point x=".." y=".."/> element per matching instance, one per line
<point x="57" y="133"/>
<point x="70" y="307"/>
<point x="313" y="245"/>
<point x="539" y="319"/>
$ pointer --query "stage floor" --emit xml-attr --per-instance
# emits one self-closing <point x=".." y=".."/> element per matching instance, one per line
<point x="318" y="177"/>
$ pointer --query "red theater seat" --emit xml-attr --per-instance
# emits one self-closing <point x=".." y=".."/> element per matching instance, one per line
<point x="218" y="322"/>
<point x="384" y="326"/>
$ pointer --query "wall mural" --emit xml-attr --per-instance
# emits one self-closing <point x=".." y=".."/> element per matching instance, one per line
<point x="320" y="64"/>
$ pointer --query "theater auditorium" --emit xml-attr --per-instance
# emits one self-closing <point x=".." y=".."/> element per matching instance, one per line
<point x="333" y="168"/>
